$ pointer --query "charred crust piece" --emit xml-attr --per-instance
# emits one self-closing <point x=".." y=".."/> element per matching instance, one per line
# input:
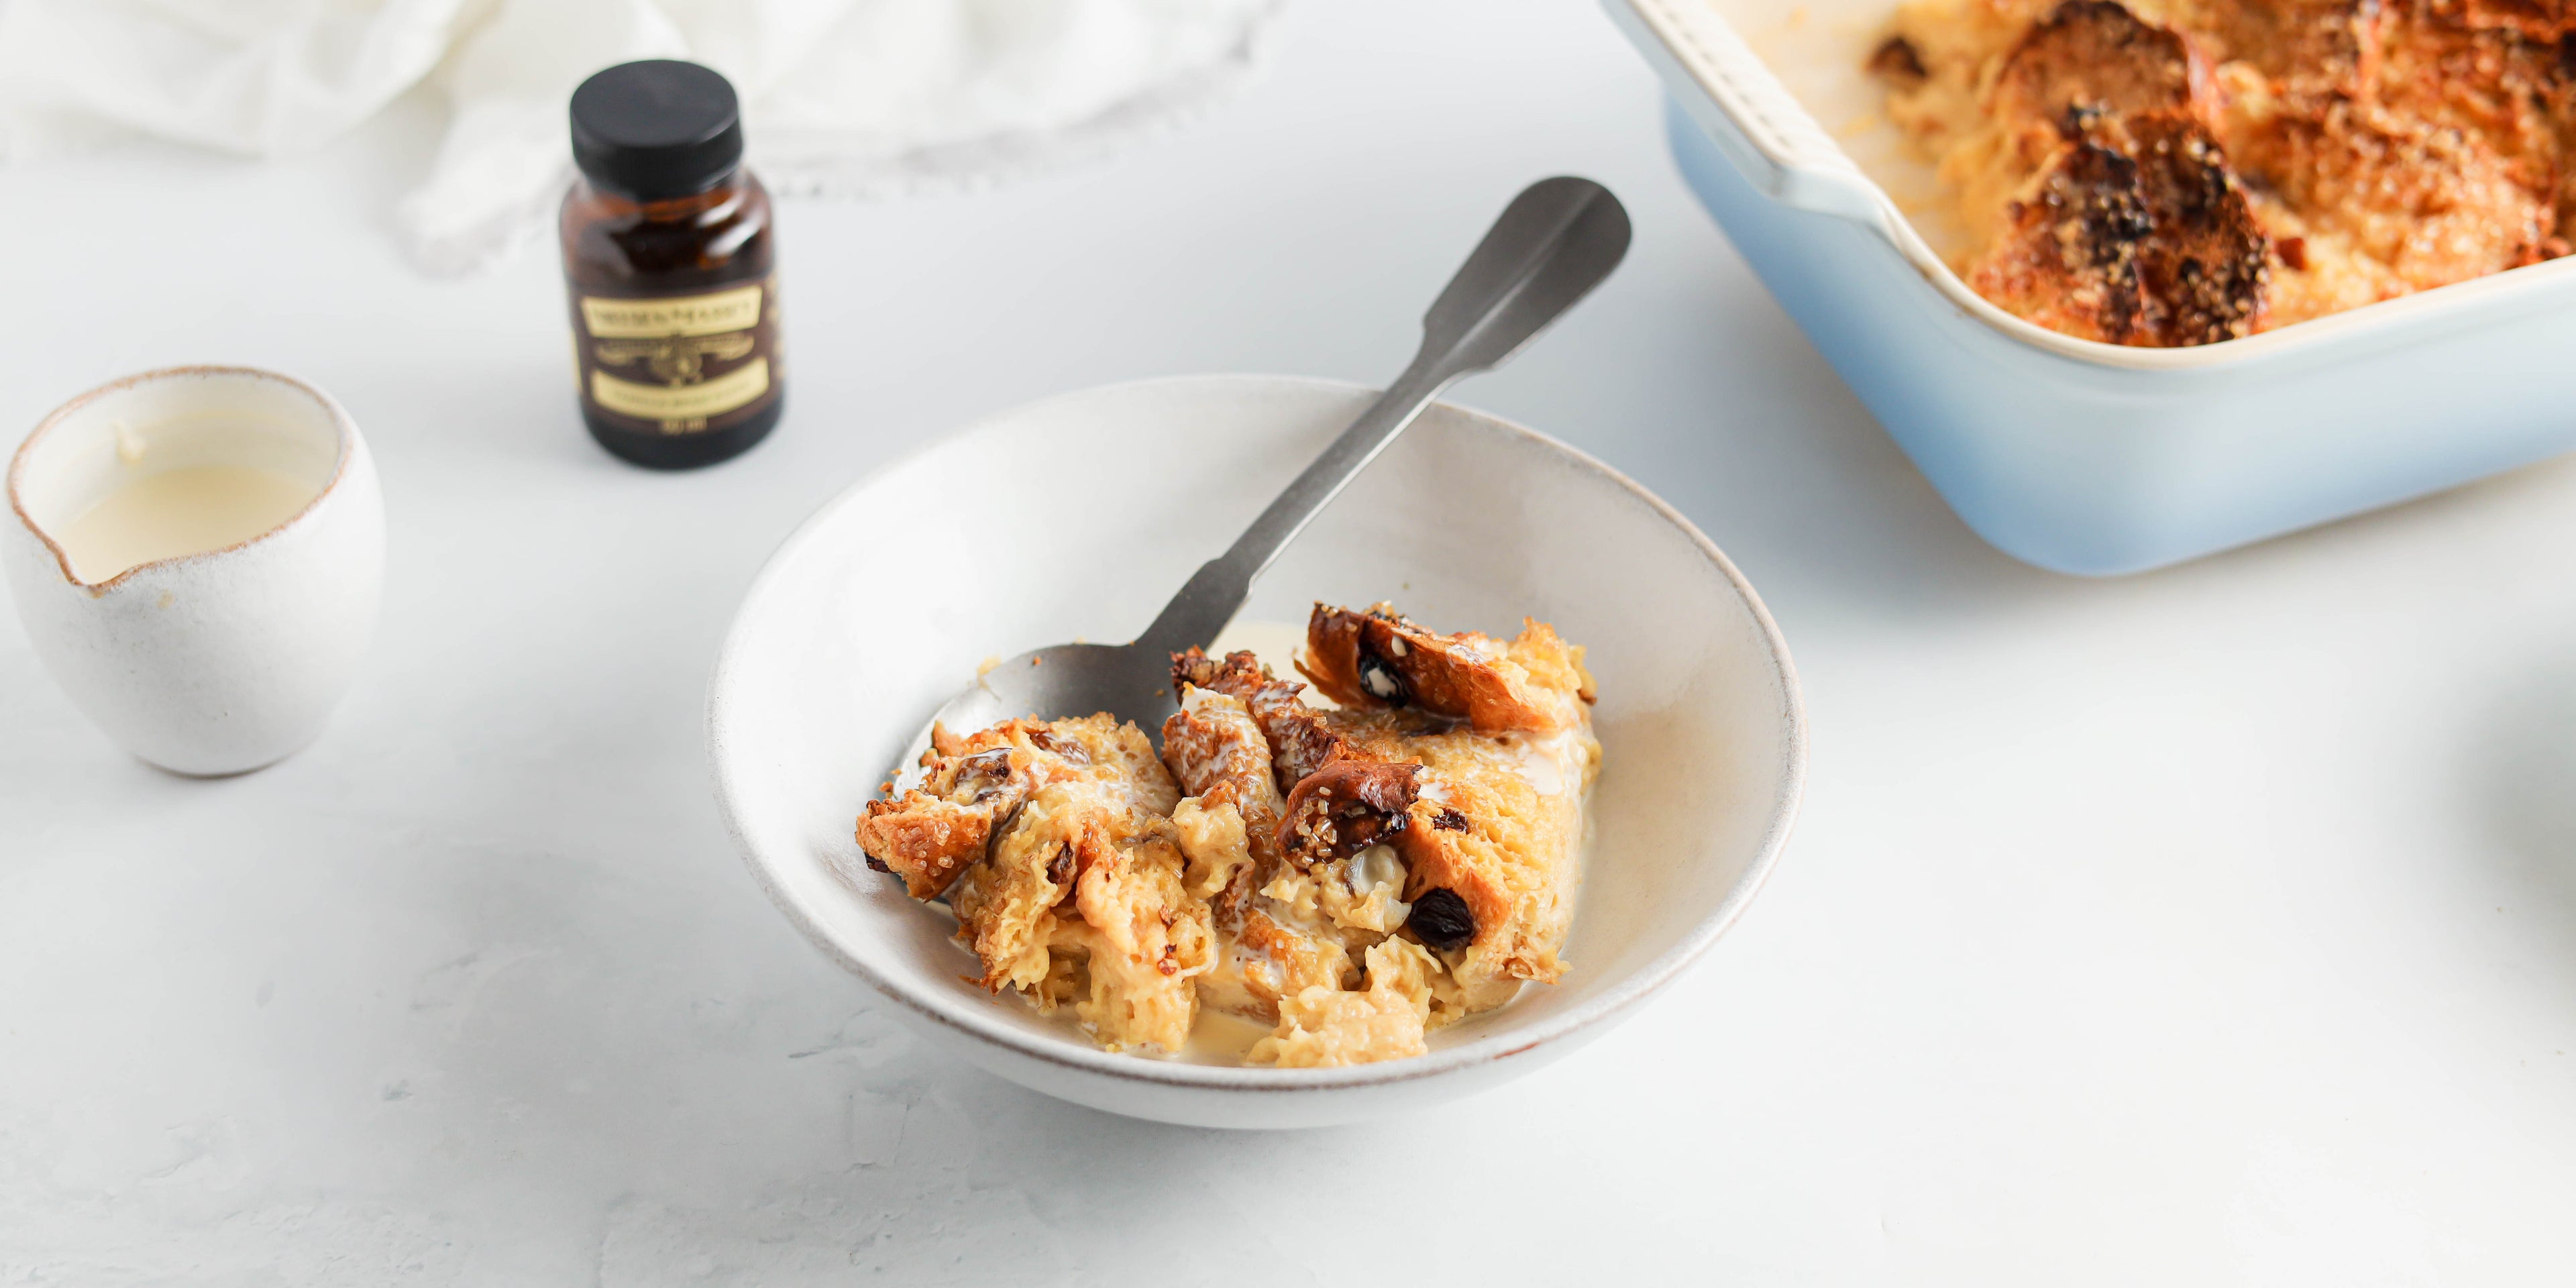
<point x="2096" y="57"/>
<point x="2069" y="261"/>
<point x="1381" y="660"/>
<point x="1218" y="754"/>
<point x="1344" y="808"/>
<point x="2209" y="269"/>
<point x="1239" y="675"/>
<point x="1300" y="743"/>
<point x="2129" y="227"/>
<point x="1441" y="920"/>
<point x="2137" y="235"/>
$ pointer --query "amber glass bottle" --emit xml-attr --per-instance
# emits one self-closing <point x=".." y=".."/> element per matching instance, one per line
<point x="668" y="254"/>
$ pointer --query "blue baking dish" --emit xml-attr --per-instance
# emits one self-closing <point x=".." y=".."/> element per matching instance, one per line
<point x="2080" y="456"/>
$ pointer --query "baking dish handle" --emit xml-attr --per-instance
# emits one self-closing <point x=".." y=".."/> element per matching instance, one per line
<point x="1754" y="119"/>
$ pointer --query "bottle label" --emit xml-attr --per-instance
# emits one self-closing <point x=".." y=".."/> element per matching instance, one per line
<point x="680" y="364"/>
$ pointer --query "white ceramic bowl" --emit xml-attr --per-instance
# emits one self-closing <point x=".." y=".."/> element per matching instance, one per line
<point x="225" y="660"/>
<point x="1076" y="516"/>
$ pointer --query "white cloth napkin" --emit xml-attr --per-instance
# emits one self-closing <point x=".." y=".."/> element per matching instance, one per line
<point x="844" y="96"/>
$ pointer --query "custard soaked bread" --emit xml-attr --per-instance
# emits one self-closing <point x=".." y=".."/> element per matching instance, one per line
<point x="2178" y="172"/>
<point x="1053" y="843"/>
<point x="1353" y="876"/>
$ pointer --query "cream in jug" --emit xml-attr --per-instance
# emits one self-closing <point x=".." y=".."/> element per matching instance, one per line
<point x="184" y="511"/>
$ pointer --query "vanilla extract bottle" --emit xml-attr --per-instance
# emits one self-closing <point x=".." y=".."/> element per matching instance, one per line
<point x="670" y="263"/>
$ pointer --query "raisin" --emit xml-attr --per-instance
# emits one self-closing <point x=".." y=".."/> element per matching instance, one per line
<point x="1449" y="820"/>
<point x="1898" y="59"/>
<point x="1441" y="919"/>
<point x="1060" y="868"/>
<point x="983" y="774"/>
<point x="1382" y="681"/>
<point x="878" y="864"/>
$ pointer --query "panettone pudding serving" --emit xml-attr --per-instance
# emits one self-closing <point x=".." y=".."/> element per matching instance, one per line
<point x="1350" y="873"/>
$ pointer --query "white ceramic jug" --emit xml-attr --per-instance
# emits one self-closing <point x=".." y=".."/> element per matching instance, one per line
<point x="214" y="662"/>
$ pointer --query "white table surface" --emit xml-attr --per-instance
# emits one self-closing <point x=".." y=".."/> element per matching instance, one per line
<point x="2213" y="926"/>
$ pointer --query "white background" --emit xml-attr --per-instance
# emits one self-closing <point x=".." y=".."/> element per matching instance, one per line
<point x="2213" y="926"/>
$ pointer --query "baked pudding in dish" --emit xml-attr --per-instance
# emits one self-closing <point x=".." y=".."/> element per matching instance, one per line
<point x="2182" y="172"/>
<point x="1350" y="874"/>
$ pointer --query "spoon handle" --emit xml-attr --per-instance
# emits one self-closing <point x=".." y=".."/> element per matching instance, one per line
<point x="1556" y="241"/>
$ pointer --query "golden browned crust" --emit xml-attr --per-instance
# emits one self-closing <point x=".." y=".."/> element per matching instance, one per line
<point x="2234" y="165"/>
<point x="1346" y="807"/>
<point x="1053" y="844"/>
<point x="1382" y="660"/>
<point x="930" y="835"/>
<point x="2095" y="58"/>
<point x="1218" y="755"/>
<point x="2429" y="203"/>
<point x="2302" y="46"/>
<point x="1299" y="742"/>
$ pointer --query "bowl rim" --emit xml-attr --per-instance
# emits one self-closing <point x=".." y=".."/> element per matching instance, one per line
<point x="1617" y="997"/>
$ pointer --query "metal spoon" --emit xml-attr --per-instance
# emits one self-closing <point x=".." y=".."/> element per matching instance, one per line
<point x="1552" y="245"/>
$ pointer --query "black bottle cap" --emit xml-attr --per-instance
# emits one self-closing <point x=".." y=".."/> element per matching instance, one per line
<point x="656" y="129"/>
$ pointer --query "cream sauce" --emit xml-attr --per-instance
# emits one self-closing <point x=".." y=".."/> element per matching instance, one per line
<point x="1221" y="1037"/>
<point x="1549" y="763"/>
<point x="180" y="512"/>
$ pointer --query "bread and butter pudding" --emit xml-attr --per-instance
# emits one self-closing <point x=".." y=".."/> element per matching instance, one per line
<point x="1351" y="875"/>
<point x="2182" y="172"/>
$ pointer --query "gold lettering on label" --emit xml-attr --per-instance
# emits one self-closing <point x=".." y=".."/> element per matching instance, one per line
<point x="693" y="315"/>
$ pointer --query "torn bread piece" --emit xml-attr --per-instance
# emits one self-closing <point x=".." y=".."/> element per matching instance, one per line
<point x="1383" y="660"/>
<point x="1229" y="834"/>
<point x="1054" y="844"/>
<point x="1323" y="1028"/>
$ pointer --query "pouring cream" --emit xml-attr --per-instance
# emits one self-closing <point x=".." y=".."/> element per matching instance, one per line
<point x="176" y="512"/>
<point x="197" y="555"/>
